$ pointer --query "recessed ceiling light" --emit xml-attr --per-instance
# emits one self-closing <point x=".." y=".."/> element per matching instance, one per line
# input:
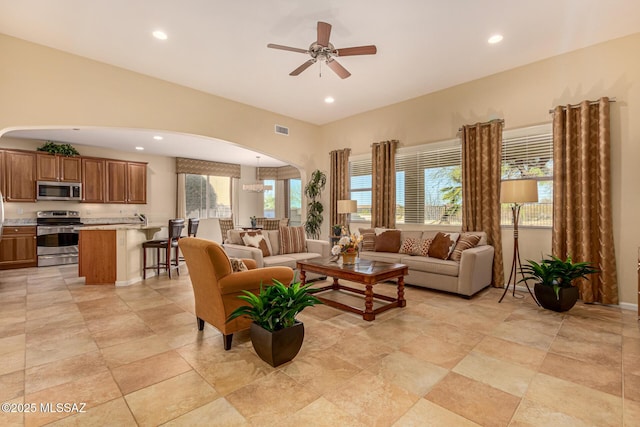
<point x="160" y="35"/>
<point x="329" y="100"/>
<point x="158" y="138"/>
<point x="139" y="148"/>
<point x="496" y="38"/>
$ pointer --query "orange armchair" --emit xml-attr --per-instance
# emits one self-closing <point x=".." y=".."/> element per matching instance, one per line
<point x="216" y="287"/>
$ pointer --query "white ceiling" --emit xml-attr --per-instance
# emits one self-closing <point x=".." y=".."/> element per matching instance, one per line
<point x="219" y="46"/>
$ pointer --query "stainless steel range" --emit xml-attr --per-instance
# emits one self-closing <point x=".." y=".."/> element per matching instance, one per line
<point x="57" y="239"/>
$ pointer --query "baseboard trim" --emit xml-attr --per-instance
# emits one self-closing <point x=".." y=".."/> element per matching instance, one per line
<point x="622" y="305"/>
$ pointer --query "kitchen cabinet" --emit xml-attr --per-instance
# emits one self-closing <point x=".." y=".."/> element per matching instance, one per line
<point x="93" y="180"/>
<point x="126" y="182"/>
<point x="20" y="176"/>
<point x="137" y="182"/>
<point x="18" y="247"/>
<point x="97" y="259"/>
<point x="58" y="168"/>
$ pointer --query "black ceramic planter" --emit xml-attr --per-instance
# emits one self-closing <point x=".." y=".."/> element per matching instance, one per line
<point x="277" y="347"/>
<point x="546" y="296"/>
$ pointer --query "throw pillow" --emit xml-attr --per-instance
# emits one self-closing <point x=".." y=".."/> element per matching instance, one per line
<point x="256" y="241"/>
<point x="388" y="241"/>
<point x="292" y="240"/>
<point x="423" y="247"/>
<point x="368" y="239"/>
<point x="237" y="265"/>
<point x="442" y="245"/>
<point x="466" y="241"/>
<point x="409" y="246"/>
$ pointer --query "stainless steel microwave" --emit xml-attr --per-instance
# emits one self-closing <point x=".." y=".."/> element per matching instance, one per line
<point x="53" y="190"/>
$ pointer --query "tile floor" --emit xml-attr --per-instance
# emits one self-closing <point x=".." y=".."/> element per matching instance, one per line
<point x="133" y="356"/>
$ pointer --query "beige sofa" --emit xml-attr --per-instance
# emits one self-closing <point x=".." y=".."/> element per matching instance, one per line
<point x="467" y="277"/>
<point x="234" y="247"/>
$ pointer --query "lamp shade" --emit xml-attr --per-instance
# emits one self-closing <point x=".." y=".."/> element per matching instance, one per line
<point x="347" y="206"/>
<point x="519" y="191"/>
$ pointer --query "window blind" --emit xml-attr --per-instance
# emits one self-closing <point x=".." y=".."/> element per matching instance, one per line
<point x="421" y="175"/>
<point x="528" y="155"/>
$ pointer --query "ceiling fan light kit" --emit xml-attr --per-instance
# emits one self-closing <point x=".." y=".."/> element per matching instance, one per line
<point x="323" y="50"/>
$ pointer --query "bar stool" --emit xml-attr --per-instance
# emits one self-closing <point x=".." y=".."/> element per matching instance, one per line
<point x="166" y="246"/>
<point x="192" y="228"/>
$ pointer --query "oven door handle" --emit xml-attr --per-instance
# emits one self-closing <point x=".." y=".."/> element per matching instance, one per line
<point x="43" y="230"/>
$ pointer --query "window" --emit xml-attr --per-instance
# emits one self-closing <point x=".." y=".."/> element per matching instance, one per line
<point x="207" y="196"/>
<point x="294" y="202"/>
<point x="528" y="154"/>
<point x="429" y="184"/>
<point x="429" y="179"/>
<point x="269" y="209"/>
<point x="360" y="173"/>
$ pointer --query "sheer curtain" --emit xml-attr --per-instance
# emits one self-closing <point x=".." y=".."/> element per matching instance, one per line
<point x="481" y="172"/>
<point x="340" y="188"/>
<point x="582" y="218"/>
<point x="383" y="197"/>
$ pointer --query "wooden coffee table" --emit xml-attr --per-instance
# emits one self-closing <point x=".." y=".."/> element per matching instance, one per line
<point x="364" y="271"/>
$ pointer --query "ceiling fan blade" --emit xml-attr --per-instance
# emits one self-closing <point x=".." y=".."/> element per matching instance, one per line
<point x="358" y="50"/>
<point x="324" y="31"/>
<point x="302" y="67"/>
<point x="338" y="69"/>
<point x="292" y="49"/>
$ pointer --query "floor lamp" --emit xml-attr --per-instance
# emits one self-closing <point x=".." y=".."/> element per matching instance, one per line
<point x="347" y="207"/>
<point x="517" y="192"/>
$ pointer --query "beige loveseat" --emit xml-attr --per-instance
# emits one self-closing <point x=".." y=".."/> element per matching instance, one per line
<point x="235" y="247"/>
<point x="466" y="277"/>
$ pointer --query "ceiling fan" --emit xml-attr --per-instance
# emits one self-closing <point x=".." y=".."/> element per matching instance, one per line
<point x="321" y="49"/>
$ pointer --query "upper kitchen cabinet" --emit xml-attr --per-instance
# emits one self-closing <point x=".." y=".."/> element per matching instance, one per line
<point x="93" y="180"/>
<point x="20" y="176"/>
<point x="58" y="168"/>
<point x="126" y="182"/>
<point x="137" y="182"/>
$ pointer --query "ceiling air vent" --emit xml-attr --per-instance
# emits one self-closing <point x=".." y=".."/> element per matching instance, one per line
<point x="282" y="130"/>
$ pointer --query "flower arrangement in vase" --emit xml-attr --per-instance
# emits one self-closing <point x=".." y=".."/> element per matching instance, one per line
<point x="347" y="246"/>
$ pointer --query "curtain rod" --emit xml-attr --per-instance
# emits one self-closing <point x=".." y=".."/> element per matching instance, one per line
<point x="577" y="105"/>
<point x="485" y="123"/>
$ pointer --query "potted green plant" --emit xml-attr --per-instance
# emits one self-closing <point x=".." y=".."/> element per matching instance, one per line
<point x="276" y="335"/>
<point x="337" y="230"/>
<point x="63" y="149"/>
<point x="554" y="281"/>
<point x="313" y="190"/>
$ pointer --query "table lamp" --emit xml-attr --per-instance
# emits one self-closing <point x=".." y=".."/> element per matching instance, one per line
<point x="347" y="207"/>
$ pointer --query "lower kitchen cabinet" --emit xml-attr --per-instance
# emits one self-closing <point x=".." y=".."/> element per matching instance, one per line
<point x="18" y="247"/>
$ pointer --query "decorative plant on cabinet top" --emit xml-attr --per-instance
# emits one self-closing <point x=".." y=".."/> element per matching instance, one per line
<point x="63" y="149"/>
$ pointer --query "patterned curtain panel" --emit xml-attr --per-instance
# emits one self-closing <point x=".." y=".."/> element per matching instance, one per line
<point x="383" y="197"/>
<point x="204" y="167"/>
<point x="181" y="202"/>
<point x="340" y="188"/>
<point x="582" y="219"/>
<point x="481" y="162"/>
<point x="283" y="172"/>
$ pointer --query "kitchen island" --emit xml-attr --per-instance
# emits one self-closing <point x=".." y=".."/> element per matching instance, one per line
<point x="112" y="254"/>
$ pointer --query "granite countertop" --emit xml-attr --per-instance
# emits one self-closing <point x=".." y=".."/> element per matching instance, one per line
<point x="19" y="222"/>
<point x="121" y="226"/>
<point x="125" y="222"/>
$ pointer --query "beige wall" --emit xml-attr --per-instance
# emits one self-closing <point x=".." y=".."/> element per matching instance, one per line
<point x="42" y="86"/>
<point x="523" y="97"/>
